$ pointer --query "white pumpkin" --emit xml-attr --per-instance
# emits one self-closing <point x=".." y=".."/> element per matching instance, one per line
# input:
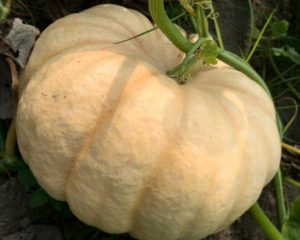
<point x="102" y="127"/>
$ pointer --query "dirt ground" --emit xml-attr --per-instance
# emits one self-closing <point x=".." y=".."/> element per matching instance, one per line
<point x="17" y="219"/>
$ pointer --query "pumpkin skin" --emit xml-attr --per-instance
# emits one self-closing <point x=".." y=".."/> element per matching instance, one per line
<point x="102" y="127"/>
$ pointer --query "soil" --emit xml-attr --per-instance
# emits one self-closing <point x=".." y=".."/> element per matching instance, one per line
<point x="17" y="220"/>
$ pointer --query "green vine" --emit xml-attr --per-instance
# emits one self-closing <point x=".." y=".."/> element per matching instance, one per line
<point x="266" y="225"/>
<point x="162" y="20"/>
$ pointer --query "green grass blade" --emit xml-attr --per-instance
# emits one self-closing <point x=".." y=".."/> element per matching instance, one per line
<point x="260" y="36"/>
<point x="264" y="222"/>
<point x="150" y="30"/>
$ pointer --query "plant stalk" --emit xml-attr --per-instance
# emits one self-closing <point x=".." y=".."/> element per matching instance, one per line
<point x="260" y="36"/>
<point x="266" y="225"/>
<point x="217" y="29"/>
<point x="280" y="202"/>
<point x="202" y="21"/>
<point x="161" y="19"/>
<point x="292" y="182"/>
<point x="291" y="148"/>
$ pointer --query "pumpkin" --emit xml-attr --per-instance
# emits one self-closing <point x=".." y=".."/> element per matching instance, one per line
<point x="104" y="128"/>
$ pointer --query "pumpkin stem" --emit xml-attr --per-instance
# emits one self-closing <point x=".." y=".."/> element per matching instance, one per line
<point x="182" y="72"/>
<point x="161" y="19"/>
<point x="202" y="21"/>
<point x="203" y="51"/>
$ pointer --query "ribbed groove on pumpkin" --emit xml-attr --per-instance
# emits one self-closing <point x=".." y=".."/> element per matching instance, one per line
<point x="102" y="120"/>
<point x="160" y="162"/>
<point x="147" y="26"/>
<point x="235" y="196"/>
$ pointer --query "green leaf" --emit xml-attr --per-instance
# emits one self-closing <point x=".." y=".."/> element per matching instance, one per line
<point x="113" y="237"/>
<point x="57" y="205"/>
<point x="26" y="177"/>
<point x="82" y="232"/>
<point x="38" y="198"/>
<point x="280" y="28"/>
<point x="11" y="164"/>
<point x="289" y="52"/>
<point x="65" y="211"/>
<point x="209" y="52"/>
<point x="293" y="55"/>
<point x="291" y="228"/>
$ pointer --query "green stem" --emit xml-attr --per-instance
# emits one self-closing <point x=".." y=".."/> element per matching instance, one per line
<point x="288" y="70"/>
<point x="150" y="30"/>
<point x="158" y="13"/>
<point x="161" y="19"/>
<point x="291" y="149"/>
<point x="182" y="71"/>
<point x="280" y="202"/>
<point x="202" y="22"/>
<point x="194" y="24"/>
<point x="266" y="225"/>
<point x="250" y="37"/>
<point x="217" y="29"/>
<point x="260" y="36"/>
<point x="292" y="182"/>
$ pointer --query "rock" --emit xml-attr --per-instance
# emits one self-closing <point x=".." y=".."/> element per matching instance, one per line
<point x="16" y="42"/>
<point x="20" y="39"/>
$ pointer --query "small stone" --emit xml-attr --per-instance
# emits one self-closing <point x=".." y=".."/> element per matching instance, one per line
<point x="20" y="40"/>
